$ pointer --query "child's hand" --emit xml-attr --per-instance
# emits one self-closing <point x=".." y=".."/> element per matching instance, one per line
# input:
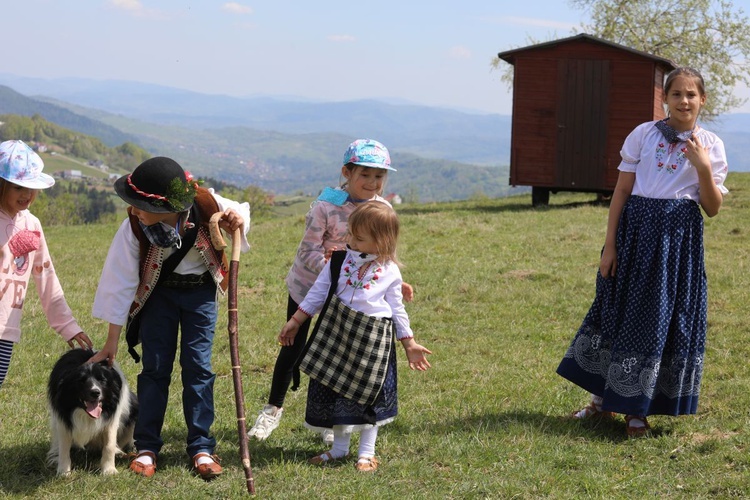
<point x="288" y="332"/>
<point x="407" y="291"/>
<point x="107" y="353"/>
<point x="231" y="220"/>
<point x="329" y="252"/>
<point x="83" y="341"/>
<point x="697" y="154"/>
<point x="416" y="354"/>
<point x="608" y="262"/>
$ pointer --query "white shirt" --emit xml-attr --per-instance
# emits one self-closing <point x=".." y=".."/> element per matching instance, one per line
<point x="662" y="170"/>
<point x="119" y="279"/>
<point x="377" y="294"/>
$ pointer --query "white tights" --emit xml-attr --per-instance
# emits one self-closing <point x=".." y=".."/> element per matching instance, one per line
<point x="341" y="441"/>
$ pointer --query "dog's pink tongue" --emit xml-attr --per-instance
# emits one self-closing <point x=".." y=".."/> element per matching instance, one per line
<point x="94" y="409"/>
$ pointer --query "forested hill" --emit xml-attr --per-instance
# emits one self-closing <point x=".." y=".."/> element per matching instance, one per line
<point x="12" y="102"/>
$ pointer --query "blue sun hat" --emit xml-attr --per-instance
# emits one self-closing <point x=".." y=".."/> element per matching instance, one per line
<point x="21" y="165"/>
<point x="368" y="153"/>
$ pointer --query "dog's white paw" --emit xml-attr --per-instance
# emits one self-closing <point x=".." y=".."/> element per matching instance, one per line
<point x="63" y="472"/>
<point x="108" y="471"/>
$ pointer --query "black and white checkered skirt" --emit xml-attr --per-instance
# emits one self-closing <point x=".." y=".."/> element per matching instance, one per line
<point x="352" y="366"/>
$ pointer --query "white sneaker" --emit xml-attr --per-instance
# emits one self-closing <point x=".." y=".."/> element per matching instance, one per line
<point x="267" y="421"/>
<point x="327" y="436"/>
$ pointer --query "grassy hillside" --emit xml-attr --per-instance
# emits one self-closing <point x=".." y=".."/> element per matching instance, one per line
<point x="500" y="290"/>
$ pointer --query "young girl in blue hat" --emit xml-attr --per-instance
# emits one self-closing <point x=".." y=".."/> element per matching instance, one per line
<point x="640" y="348"/>
<point x="364" y="172"/>
<point x="351" y="356"/>
<point x="161" y="276"/>
<point x="24" y="253"/>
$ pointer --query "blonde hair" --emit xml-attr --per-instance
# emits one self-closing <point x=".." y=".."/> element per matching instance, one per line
<point x="380" y="222"/>
<point x="355" y="170"/>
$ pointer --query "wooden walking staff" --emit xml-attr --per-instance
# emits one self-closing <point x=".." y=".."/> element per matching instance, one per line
<point x="218" y="242"/>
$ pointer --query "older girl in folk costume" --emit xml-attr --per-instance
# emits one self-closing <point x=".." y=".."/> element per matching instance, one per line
<point x="162" y="274"/>
<point x="24" y="253"/>
<point x="351" y="357"/>
<point x="365" y="170"/>
<point x="640" y="348"/>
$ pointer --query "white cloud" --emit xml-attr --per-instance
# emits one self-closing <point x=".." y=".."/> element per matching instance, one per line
<point x="459" y="52"/>
<point x="341" y="38"/>
<point x="134" y="6"/>
<point x="236" y="8"/>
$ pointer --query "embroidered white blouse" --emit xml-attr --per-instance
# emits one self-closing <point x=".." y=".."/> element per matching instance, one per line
<point x="377" y="293"/>
<point x="119" y="279"/>
<point x="662" y="170"/>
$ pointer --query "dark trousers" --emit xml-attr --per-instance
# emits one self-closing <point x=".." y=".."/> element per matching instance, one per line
<point x="282" y="371"/>
<point x="194" y="312"/>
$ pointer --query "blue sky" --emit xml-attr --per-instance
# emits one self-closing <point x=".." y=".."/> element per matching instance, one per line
<point x="435" y="52"/>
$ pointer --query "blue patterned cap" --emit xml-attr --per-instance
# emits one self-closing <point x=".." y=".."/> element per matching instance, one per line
<point x="368" y="153"/>
<point x="21" y="165"/>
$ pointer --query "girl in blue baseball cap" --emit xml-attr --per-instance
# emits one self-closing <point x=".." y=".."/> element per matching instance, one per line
<point x="24" y="253"/>
<point x="366" y="164"/>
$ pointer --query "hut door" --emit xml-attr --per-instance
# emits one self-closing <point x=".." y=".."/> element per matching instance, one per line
<point x="583" y="90"/>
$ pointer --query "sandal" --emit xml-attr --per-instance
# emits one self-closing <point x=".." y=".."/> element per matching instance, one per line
<point x="145" y="470"/>
<point x="208" y="470"/>
<point x="590" y="412"/>
<point x="635" y="431"/>
<point x="367" y="464"/>
<point x="324" y="459"/>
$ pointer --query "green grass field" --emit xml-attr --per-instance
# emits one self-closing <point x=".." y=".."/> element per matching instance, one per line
<point x="501" y="289"/>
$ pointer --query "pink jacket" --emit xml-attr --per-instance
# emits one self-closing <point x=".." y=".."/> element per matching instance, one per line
<point x="24" y="253"/>
<point x="325" y="228"/>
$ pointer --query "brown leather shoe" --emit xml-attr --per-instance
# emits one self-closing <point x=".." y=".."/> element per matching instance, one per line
<point x="367" y="464"/>
<point x="639" y="431"/>
<point x="142" y="469"/>
<point x="208" y="470"/>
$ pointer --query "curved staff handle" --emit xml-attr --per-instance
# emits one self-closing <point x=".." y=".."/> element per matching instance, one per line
<point x="219" y="244"/>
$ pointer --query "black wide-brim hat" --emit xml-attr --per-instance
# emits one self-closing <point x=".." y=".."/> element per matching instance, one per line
<point x="158" y="185"/>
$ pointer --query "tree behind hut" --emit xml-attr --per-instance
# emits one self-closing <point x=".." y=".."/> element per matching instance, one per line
<point x="708" y="35"/>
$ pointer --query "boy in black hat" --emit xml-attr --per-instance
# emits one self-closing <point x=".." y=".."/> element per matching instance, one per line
<point x="162" y="274"/>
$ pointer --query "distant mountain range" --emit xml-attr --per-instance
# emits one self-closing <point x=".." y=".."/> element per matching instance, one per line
<point x="288" y="146"/>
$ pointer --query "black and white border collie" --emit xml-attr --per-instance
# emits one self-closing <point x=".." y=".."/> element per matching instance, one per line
<point x="91" y="407"/>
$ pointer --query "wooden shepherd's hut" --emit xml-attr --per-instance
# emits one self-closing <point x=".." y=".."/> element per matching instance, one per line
<point x="574" y="102"/>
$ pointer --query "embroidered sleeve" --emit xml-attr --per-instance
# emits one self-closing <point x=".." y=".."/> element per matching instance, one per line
<point x="632" y="148"/>
<point x="395" y="300"/>
<point x="316" y="297"/>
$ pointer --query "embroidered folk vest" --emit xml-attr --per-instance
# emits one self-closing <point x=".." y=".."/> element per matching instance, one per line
<point x="152" y="256"/>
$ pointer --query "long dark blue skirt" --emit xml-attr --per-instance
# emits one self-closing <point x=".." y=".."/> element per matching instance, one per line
<point x="641" y="344"/>
<point x="326" y="408"/>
